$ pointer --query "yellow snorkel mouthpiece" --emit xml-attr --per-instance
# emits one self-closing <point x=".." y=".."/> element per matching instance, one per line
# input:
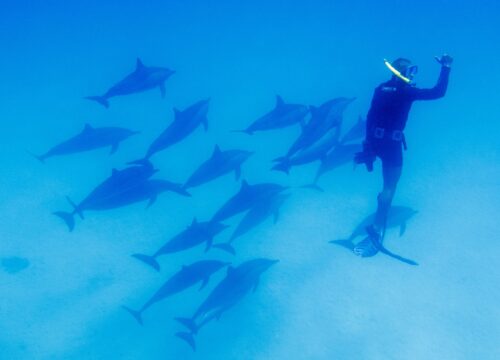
<point x="396" y="72"/>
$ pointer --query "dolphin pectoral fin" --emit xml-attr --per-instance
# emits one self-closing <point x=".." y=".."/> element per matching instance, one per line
<point x="204" y="283"/>
<point x="237" y="173"/>
<point x="152" y="200"/>
<point x="162" y="90"/>
<point x="402" y="228"/>
<point x="209" y="244"/>
<point x="114" y="147"/>
<point x="187" y="337"/>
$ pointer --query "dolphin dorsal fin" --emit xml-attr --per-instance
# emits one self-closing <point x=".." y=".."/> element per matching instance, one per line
<point x="279" y="101"/>
<point x="88" y="127"/>
<point x="216" y="151"/>
<point x="244" y="184"/>
<point x="138" y="65"/>
<point x="195" y="221"/>
<point x="114" y="172"/>
<point x="177" y="112"/>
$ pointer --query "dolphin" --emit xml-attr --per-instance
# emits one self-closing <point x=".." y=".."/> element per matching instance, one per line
<point x="255" y="216"/>
<point x="283" y="115"/>
<point x="195" y="234"/>
<point x="231" y="290"/>
<point x="323" y="118"/>
<point x="104" y="198"/>
<point x="185" y="122"/>
<point x="398" y="216"/>
<point x="317" y="151"/>
<point x="143" y="78"/>
<point x="338" y="156"/>
<point x="356" y="132"/>
<point x="188" y="276"/>
<point x="89" y="138"/>
<point x="220" y="163"/>
<point x="247" y="197"/>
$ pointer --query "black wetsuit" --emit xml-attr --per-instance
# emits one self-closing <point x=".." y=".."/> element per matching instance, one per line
<point x="389" y="110"/>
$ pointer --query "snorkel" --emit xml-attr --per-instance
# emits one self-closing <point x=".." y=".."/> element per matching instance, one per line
<point x="407" y="78"/>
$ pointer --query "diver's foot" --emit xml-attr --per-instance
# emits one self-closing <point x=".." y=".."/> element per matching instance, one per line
<point x="365" y="248"/>
<point x="369" y="246"/>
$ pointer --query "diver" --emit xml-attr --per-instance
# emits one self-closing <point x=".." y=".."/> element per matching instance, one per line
<point x="385" y="139"/>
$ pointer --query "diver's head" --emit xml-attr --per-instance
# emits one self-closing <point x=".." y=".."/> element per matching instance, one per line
<point x="402" y="69"/>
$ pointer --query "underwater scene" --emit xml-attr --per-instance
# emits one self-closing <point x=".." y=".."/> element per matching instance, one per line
<point x="249" y="180"/>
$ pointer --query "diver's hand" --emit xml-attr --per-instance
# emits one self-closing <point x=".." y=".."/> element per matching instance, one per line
<point x="366" y="156"/>
<point x="444" y="60"/>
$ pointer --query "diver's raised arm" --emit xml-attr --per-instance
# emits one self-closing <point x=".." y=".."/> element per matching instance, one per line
<point x="439" y="90"/>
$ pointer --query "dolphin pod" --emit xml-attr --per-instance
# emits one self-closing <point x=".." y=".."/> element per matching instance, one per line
<point x="141" y="79"/>
<point x="320" y="139"/>
<point x="231" y="290"/>
<point x="89" y="138"/>
<point x="188" y="276"/>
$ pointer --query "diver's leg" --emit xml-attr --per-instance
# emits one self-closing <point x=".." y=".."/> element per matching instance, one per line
<point x="391" y="175"/>
<point x="392" y="161"/>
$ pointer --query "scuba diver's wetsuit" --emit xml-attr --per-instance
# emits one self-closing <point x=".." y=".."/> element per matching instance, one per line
<point x="386" y="121"/>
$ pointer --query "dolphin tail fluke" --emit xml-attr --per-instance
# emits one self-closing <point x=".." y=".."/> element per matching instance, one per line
<point x="150" y="260"/>
<point x="187" y="337"/>
<point x="75" y="207"/>
<point x="189" y="323"/>
<point x="313" y="186"/>
<point x="225" y="247"/>
<point x="283" y="165"/>
<point x="181" y="190"/>
<point x="136" y="314"/>
<point x="67" y="218"/>
<point x="40" y="158"/>
<point x="100" y="99"/>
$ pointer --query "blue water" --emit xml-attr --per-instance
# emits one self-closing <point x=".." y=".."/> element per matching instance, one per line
<point x="62" y="297"/>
